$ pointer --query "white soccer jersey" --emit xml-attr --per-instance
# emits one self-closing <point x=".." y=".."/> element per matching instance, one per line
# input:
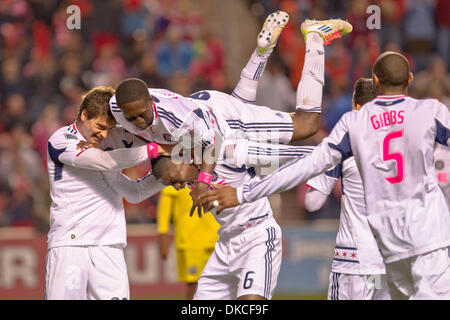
<point x="243" y="169"/>
<point x="247" y="214"/>
<point x="442" y="166"/>
<point x="392" y="139"/>
<point x="85" y="210"/>
<point x="205" y="113"/>
<point x="356" y="250"/>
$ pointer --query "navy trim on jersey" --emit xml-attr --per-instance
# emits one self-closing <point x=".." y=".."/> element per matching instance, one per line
<point x="115" y="107"/>
<point x="345" y="260"/>
<point x="346" y="248"/>
<point x="163" y="116"/>
<point x="442" y="133"/>
<point x="335" y="286"/>
<point x="336" y="172"/>
<point x="169" y="114"/>
<point x="251" y="171"/>
<point x="259" y="70"/>
<point x="253" y="150"/>
<point x="199" y="113"/>
<point x="127" y="144"/>
<point x="344" y="147"/>
<point x="256" y="218"/>
<point x="54" y="156"/>
<point x="235" y="95"/>
<point x="388" y="103"/>
<point x="259" y="125"/>
<point x="250" y="187"/>
<point x="309" y="109"/>
<point x="240" y="170"/>
<point x="268" y="258"/>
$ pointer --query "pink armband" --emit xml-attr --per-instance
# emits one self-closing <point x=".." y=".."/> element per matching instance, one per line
<point x="205" y="177"/>
<point x="152" y="150"/>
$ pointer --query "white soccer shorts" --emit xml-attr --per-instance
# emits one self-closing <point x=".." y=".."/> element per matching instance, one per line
<point x="344" y="286"/>
<point x="243" y="264"/>
<point x="86" y="273"/>
<point x="426" y="276"/>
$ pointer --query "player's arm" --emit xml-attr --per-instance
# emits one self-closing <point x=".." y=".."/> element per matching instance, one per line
<point x="199" y="130"/>
<point x="97" y="159"/>
<point x="134" y="191"/>
<point x="314" y="199"/>
<point x="164" y="212"/>
<point x="334" y="149"/>
<point x="320" y="187"/>
<point x="442" y="120"/>
<point x="238" y="152"/>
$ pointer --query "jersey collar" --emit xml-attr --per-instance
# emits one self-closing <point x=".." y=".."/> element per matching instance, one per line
<point x="389" y="100"/>
<point x="390" y="97"/>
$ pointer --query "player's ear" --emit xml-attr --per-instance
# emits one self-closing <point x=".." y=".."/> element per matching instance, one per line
<point x="83" y="115"/>
<point x="410" y="78"/>
<point x="375" y="81"/>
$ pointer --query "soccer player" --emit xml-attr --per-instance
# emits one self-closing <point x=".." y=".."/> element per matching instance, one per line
<point x="392" y="139"/>
<point x="194" y="236"/>
<point x="166" y="117"/>
<point x="87" y="224"/>
<point x="247" y="257"/>
<point x="357" y="271"/>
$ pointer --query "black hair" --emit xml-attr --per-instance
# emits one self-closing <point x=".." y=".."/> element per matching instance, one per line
<point x="392" y="69"/>
<point x="130" y="90"/>
<point x="364" y="91"/>
<point x="159" y="165"/>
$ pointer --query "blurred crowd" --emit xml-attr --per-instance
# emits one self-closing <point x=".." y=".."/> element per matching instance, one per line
<point x="45" y="69"/>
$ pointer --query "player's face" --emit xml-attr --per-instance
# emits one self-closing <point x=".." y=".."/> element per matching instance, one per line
<point x="96" y="129"/>
<point x="180" y="175"/>
<point x="139" y="113"/>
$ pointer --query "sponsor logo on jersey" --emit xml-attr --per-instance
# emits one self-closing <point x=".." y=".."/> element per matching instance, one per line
<point x="70" y="136"/>
<point x="167" y="137"/>
<point x="439" y="165"/>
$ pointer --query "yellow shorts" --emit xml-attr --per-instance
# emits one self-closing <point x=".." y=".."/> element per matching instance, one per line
<point x="191" y="263"/>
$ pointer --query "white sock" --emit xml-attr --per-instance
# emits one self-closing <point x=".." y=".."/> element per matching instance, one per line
<point x="250" y="75"/>
<point x="309" y="90"/>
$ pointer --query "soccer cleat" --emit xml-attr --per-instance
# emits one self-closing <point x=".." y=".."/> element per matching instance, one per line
<point x="328" y="29"/>
<point x="271" y="30"/>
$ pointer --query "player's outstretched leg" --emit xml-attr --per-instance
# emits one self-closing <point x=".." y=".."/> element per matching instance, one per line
<point x="309" y="91"/>
<point x="266" y="41"/>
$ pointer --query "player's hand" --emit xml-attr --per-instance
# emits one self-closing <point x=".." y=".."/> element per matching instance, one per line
<point x="164" y="243"/>
<point x="200" y="188"/>
<point x="165" y="149"/>
<point x="226" y="197"/>
<point x="83" y="144"/>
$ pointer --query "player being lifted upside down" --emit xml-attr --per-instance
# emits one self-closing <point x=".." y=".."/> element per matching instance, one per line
<point x="208" y="116"/>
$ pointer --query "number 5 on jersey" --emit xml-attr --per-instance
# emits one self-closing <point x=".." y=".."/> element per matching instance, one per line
<point x="396" y="156"/>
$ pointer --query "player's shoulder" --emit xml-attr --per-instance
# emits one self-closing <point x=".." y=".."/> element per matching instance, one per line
<point x="350" y="117"/>
<point x="64" y="135"/>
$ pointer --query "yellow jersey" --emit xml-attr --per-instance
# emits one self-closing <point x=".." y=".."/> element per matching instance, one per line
<point x="189" y="232"/>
